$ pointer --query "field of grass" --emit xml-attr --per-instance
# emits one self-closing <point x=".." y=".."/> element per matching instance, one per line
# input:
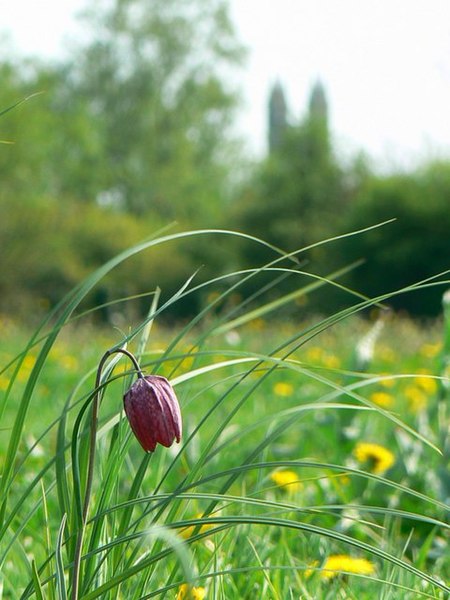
<point x="310" y="466"/>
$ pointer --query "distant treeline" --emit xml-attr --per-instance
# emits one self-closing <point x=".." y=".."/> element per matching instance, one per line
<point x="133" y="132"/>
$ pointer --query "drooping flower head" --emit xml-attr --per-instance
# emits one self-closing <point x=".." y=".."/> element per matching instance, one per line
<point x="153" y="411"/>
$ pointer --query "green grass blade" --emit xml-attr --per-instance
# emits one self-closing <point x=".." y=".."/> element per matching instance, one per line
<point x="60" y="579"/>
<point x="37" y="584"/>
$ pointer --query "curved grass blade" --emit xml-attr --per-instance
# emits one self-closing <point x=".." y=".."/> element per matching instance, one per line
<point x="66" y="308"/>
<point x="18" y="103"/>
<point x="36" y="582"/>
<point x="60" y="579"/>
<point x="255" y="520"/>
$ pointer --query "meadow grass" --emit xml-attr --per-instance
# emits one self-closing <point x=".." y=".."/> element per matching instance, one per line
<point x="313" y="462"/>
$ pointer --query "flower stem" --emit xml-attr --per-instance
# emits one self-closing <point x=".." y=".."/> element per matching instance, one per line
<point x="91" y="460"/>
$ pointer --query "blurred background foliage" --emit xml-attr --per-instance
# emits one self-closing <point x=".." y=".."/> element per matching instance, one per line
<point x="134" y="131"/>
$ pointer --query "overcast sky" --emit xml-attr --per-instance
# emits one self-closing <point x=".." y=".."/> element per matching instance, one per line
<point x="385" y="65"/>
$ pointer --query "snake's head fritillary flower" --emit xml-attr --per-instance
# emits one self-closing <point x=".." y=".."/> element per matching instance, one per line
<point x="153" y="411"/>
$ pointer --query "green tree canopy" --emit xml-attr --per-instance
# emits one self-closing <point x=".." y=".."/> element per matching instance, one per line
<point x="414" y="247"/>
<point x="151" y="81"/>
<point x="297" y="190"/>
<point x="136" y="120"/>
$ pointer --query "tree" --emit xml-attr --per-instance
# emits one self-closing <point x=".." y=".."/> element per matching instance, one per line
<point x="136" y="120"/>
<point x="294" y="196"/>
<point x="414" y="247"/>
<point x="152" y="84"/>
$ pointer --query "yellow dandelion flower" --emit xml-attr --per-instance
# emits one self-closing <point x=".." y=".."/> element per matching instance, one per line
<point x="283" y="388"/>
<point x="378" y="458"/>
<point x="331" y="361"/>
<point x="27" y="365"/>
<point x="339" y="479"/>
<point x="4" y="382"/>
<point x="427" y="384"/>
<point x="188" y="360"/>
<point x="311" y="568"/>
<point x="187" y="592"/>
<point x="342" y="563"/>
<point x="417" y="399"/>
<point x="187" y="532"/>
<point x="121" y="368"/>
<point x="287" y="480"/>
<point x="382" y="399"/>
<point x="218" y="358"/>
<point x="387" y="382"/>
<point x="344" y="479"/>
<point x="55" y="353"/>
<point x="314" y="354"/>
<point x="430" y="350"/>
<point x="29" y="362"/>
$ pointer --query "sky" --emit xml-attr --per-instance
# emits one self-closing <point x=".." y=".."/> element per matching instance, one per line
<point x="385" y="66"/>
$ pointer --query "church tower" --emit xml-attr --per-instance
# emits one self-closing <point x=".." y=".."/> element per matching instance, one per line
<point x="277" y="117"/>
<point x="318" y="106"/>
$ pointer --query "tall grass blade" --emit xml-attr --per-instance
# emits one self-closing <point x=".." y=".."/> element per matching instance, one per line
<point x="60" y="579"/>
<point x="37" y="584"/>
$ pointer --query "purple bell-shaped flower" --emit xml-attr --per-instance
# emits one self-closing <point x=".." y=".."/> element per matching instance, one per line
<point x="153" y="411"/>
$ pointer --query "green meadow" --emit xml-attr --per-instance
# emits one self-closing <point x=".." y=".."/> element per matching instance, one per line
<point x="312" y="463"/>
<point x="296" y="297"/>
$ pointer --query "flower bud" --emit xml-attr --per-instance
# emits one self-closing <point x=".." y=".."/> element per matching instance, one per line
<point x="153" y="411"/>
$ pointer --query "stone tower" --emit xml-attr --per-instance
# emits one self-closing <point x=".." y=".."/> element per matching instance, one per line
<point x="277" y="117"/>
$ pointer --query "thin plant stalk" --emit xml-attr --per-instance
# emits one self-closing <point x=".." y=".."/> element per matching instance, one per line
<point x="91" y="460"/>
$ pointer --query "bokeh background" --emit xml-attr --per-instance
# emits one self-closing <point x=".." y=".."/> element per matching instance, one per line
<point x="293" y="121"/>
